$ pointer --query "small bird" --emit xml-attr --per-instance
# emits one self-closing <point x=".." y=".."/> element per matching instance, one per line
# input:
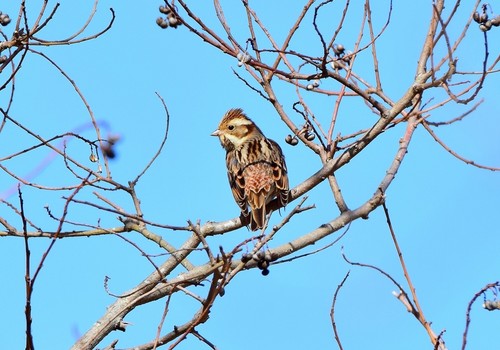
<point x="256" y="166"/>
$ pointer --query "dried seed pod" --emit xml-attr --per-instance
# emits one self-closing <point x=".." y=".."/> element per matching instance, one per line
<point x="265" y="272"/>
<point x="309" y="136"/>
<point x="476" y="16"/>
<point x="483" y="28"/>
<point x="172" y="20"/>
<point x="491" y="305"/>
<point x="291" y="140"/>
<point x="347" y="57"/>
<point x="335" y="65"/>
<point x="483" y="17"/>
<point x="161" y="22"/>
<point x="496" y="21"/>
<point x="260" y="255"/>
<point x="165" y="10"/>
<point x="4" y="19"/>
<point x="93" y="157"/>
<point x="338" y="49"/>
<point x="3" y="59"/>
<point x="243" y="58"/>
<point x="245" y="257"/>
<point x="108" y="150"/>
<point x="310" y="86"/>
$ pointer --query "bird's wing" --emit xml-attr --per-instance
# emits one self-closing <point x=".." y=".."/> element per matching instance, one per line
<point x="279" y="171"/>
<point x="236" y="181"/>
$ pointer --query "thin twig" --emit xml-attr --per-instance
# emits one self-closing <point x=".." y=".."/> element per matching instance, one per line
<point x="469" y="308"/>
<point x="84" y="100"/>
<point x="165" y="136"/>
<point x="27" y="278"/>
<point x="453" y="153"/>
<point x="300" y="256"/>
<point x="417" y="311"/>
<point x="160" y="325"/>
<point x="332" y="311"/>
<point x="58" y="231"/>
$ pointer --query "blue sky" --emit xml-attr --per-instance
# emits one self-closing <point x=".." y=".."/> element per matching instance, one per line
<point x="445" y="212"/>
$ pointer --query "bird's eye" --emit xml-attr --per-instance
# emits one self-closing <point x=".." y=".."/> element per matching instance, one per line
<point x="230" y="127"/>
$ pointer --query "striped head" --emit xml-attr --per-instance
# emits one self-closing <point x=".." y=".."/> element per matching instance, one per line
<point x="235" y="129"/>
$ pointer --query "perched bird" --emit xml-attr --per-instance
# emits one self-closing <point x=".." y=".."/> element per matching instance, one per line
<point x="255" y="166"/>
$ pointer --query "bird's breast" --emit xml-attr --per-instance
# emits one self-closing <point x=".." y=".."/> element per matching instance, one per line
<point x="254" y="150"/>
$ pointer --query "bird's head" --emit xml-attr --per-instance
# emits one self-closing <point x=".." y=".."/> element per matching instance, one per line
<point x="236" y="128"/>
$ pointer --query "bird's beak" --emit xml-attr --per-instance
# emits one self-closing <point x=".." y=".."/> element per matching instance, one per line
<point x="215" y="133"/>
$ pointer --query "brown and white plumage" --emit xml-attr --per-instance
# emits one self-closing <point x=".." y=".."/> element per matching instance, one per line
<point x="255" y="166"/>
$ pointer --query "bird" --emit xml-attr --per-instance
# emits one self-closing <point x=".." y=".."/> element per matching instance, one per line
<point x="256" y="167"/>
